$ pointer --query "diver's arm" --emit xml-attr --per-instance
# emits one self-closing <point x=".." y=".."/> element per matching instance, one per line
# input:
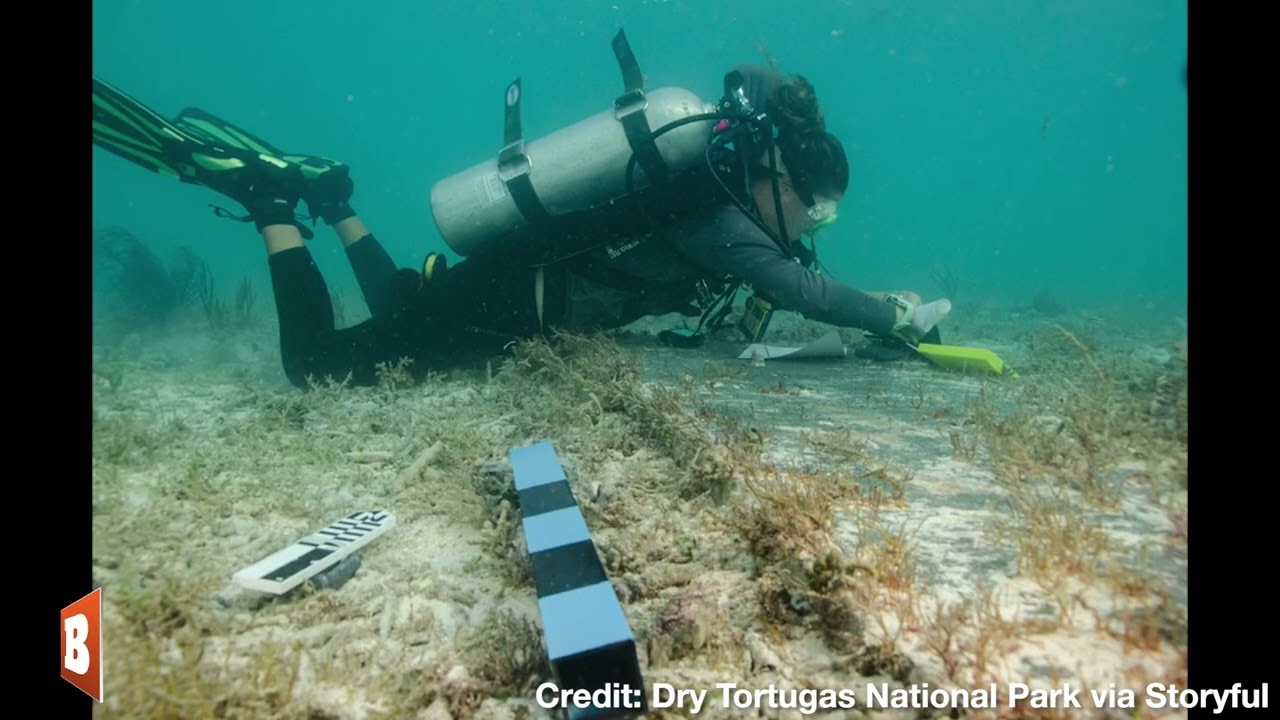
<point x="734" y="246"/>
<point x="794" y="287"/>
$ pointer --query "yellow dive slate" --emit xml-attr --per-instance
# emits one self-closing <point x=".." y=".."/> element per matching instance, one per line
<point x="964" y="359"/>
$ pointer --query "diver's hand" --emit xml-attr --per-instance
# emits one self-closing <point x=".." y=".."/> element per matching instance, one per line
<point x="916" y="322"/>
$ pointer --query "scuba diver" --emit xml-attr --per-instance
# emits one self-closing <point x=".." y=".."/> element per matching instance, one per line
<point x="590" y="228"/>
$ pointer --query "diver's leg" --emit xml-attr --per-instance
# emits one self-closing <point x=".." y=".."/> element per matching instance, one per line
<point x="373" y="267"/>
<point x="310" y="347"/>
<point x="303" y="306"/>
<point x="329" y="198"/>
<point x="502" y="291"/>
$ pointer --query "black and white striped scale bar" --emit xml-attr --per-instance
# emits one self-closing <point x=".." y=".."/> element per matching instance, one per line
<point x="589" y="642"/>
<point x="288" y="568"/>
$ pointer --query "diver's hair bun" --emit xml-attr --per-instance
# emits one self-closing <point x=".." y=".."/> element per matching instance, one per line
<point x="795" y="108"/>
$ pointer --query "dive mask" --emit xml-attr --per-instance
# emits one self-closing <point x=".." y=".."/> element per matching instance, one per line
<point x="822" y="213"/>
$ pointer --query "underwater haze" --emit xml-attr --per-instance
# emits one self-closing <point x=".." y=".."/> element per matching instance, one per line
<point x="1017" y="148"/>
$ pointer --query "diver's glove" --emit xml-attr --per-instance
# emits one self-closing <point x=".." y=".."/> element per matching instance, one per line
<point x="918" y="320"/>
<point x="329" y="196"/>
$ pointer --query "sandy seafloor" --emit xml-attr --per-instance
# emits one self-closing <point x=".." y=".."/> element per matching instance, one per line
<point x="821" y="524"/>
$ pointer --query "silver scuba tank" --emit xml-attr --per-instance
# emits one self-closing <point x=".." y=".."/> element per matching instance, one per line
<point x="572" y="168"/>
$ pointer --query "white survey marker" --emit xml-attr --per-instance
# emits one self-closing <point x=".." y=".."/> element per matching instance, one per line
<point x="288" y="568"/>
<point x="827" y="346"/>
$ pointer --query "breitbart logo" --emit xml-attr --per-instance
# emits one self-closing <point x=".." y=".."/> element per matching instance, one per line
<point x="82" y="644"/>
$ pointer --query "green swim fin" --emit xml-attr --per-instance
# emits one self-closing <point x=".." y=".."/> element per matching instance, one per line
<point x="129" y="129"/>
<point x="213" y="129"/>
<point x="327" y="181"/>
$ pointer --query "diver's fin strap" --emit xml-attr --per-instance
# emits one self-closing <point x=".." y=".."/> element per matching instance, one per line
<point x="629" y="109"/>
<point x="303" y="230"/>
<point x="513" y="161"/>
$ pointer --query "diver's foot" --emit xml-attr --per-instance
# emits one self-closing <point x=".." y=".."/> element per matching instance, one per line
<point x="267" y="189"/>
<point x="328" y="192"/>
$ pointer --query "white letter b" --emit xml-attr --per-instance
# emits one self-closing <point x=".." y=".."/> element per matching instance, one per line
<point x="76" y="628"/>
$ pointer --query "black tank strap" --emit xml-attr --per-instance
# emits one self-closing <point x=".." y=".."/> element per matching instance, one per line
<point x="629" y="109"/>
<point x="513" y="161"/>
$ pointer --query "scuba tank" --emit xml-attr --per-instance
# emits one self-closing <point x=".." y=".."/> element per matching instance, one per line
<point x="579" y="166"/>
<point x="572" y="189"/>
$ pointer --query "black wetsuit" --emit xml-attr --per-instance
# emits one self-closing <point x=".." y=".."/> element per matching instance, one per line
<point x="490" y="298"/>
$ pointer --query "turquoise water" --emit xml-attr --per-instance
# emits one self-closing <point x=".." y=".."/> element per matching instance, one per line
<point x="1027" y="146"/>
